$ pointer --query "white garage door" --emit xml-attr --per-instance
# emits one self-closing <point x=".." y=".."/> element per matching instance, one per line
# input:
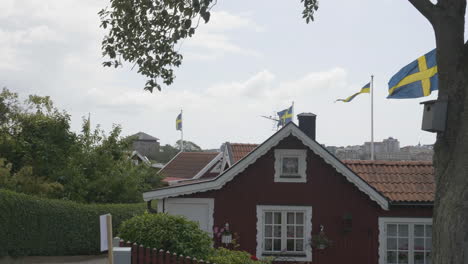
<point x="196" y="209"/>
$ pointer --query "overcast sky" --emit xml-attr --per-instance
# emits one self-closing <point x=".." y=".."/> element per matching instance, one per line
<point x="254" y="58"/>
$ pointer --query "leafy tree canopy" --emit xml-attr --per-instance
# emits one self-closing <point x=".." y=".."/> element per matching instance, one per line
<point x="148" y="33"/>
<point x="40" y="155"/>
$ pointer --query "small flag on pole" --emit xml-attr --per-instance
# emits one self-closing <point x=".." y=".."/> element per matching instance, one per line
<point x="285" y="116"/>
<point x="417" y="79"/>
<point x="365" y="89"/>
<point x="179" y="122"/>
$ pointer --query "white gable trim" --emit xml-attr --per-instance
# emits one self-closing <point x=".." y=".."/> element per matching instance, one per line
<point x="228" y="175"/>
<point x="208" y="166"/>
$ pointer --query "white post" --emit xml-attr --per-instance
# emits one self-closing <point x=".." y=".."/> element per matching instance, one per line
<point x="372" y="116"/>
<point x="182" y="133"/>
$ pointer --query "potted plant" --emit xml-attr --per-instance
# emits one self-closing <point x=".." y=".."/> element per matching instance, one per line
<point x="320" y="241"/>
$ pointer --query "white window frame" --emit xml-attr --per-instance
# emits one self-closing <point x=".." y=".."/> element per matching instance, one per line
<point x="301" y="154"/>
<point x="383" y="221"/>
<point x="307" y="210"/>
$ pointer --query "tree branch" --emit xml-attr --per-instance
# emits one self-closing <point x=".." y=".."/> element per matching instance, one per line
<point x="425" y="7"/>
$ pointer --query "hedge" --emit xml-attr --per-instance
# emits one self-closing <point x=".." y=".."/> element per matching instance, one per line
<point x="32" y="226"/>
<point x="169" y="232"/>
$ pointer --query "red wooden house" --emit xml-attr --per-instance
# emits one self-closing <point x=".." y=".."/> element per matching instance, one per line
<point x="281" y="194"/>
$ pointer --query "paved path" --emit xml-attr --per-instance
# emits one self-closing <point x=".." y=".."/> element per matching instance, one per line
<point x="101" y="259"/>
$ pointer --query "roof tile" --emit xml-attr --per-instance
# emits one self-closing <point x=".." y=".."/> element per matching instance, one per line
<point x="399" y="181"/>
<point x="240" y="150"/>
<point x="187" y="164"/>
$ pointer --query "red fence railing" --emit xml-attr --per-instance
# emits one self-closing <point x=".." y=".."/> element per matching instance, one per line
<point x="146" y="255"/>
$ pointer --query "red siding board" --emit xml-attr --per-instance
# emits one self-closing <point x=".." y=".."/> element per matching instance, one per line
<point x="330" y="195"/>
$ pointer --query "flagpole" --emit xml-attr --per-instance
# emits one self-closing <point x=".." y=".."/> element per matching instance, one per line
<point x="372" y="117"/>
<point x="292" y="118"/>
<point x="182" y="133"/>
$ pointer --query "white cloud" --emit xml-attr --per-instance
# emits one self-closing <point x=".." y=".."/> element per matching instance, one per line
<point x="212" y="40"/>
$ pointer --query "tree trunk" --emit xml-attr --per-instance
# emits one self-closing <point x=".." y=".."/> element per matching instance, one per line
<point x="450" y="218"/>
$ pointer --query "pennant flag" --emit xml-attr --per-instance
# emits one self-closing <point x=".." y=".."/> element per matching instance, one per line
<point x="417" y="79"/>
<point x="365" y="89"/>
<point x="178" y="122"/>
<point x="285" y="116"/>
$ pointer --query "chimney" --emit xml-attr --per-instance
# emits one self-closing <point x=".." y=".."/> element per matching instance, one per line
<point x="307" y="124"/>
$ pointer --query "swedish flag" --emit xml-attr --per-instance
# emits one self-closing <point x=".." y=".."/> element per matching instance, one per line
<point x="178" y="122"/>
<point x="417" y="79"/>
<point x="365" y="89"/>
<point x="285" y="116"/>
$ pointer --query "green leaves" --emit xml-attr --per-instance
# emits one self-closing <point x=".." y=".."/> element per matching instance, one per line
<point x="168" y="232"/>
<point x="310" y="6"/>
<point x="45" y="158"/>
<point x="147" y="34"/>
<point x="33" y="226"/>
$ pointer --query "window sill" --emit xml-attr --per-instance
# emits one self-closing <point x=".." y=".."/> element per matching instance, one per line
<point x="300" y="255"/>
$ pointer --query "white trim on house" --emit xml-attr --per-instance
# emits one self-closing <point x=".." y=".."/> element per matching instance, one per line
<point x="300" y="154"/>
<point x="397" y="220"/>
<point x="307" y="210"/>
<point x="208" y="166"/>
<point x="204" y="201"/>
<point x="228" y="175"/>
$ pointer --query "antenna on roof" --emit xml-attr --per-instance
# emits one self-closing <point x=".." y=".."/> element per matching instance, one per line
<point x="274" y="119"/>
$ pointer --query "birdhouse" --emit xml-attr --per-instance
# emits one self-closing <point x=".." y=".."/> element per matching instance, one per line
<point x="434" y="116"/>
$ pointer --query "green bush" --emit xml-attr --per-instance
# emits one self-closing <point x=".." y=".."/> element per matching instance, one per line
<point x="168" y="232"/>
<point x="226" y="256"/>
<point x="31" y="226"/>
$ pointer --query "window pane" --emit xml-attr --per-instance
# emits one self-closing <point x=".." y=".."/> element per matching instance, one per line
<point x="277" y="231"/>
<point x="290" y="245"/>
<point x="290" y="165"/>
<point x="299" y="244"/>
<point x="428" y="243"/>
<point x="402" y="230"/>
<point x="268" y="244"/>
<point x="391" y="230"/>
<point x="428" y="258"/>
<point x="419" y="244"/>
<point x="268" y="218"/>
<point x="277" y="218"/>
<point x="299" y="218"/>
<point x="299" y="231"/>
<point x="403" y="243"/>
<point x="418" y="257"/>
<point x="402" y="257"/>
<point x="290" y="231"/>
<point x="391" y="243"/>
<point x="290" y="218"/>
<point x="391" y="257"/>
<point x="268" y="231"/>
<point x="277" y="245"/>
<point x="419" y="230"/>
<point x="429" y="230"/>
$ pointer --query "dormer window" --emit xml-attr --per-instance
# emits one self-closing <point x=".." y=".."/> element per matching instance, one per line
<point x="290" y="165"/>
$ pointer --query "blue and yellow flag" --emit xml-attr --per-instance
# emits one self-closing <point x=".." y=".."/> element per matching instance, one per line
<point x="178" y="122"/>
<point x="285" y="116"/>
<point x="417" y="79"/>
<point x="365" y="89"/>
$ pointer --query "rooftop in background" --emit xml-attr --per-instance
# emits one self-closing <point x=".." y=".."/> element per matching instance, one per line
<point x="186" y="165"/>
<point x="399" y="181"/>
<point x="144" y="137"/>
<point x="240" y="150"/>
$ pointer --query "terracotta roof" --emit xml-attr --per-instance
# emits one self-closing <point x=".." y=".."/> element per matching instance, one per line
<point x="240" y="150"/>
<point x="399" y="181"/>
<point x="187" y="164"/>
